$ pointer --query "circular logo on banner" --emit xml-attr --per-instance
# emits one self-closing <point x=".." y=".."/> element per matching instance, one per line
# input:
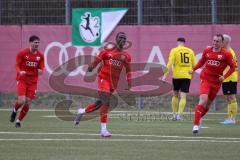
<point x="89" y="27"/>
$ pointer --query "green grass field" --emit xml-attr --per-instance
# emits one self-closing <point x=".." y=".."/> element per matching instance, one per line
<point x="45" y="137"/>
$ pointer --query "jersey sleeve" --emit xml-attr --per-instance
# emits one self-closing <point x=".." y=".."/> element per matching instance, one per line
<point x="19" y="61"/>
<point x="170" y="62"/>
<point x="98" y="59"/>
<point x="128" y="69"/>
<point x="201" y="62"/>
<point x="231" y="63"/>
<point x="41" y="63"/>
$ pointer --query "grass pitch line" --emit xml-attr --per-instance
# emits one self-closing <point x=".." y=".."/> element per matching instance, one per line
<point x="122" y="135"/>
<point x="118" y="116"/>
<point x="123" y="140"/>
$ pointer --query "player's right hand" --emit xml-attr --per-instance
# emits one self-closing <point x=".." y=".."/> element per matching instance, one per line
<point x="40" y="71"/>
<point x="22" y="73"/>
<point x="128" y="86"/>
<point x="221" y="78"/>
<point x="190" y="71"/>
<point x="90" y="69"/>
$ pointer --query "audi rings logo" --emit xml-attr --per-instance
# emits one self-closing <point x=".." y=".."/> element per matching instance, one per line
<point x="213" y="63"/>
<point x="62" y="52"/>
<point x="115" y="62"/>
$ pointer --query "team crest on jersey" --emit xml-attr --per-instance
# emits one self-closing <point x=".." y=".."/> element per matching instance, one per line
<point x="38" y="58"/>
<point x="219" y="57"/>
<point x="123" y="57"/>
<point x="26" y="57"/>
<point x="108" y="56"/>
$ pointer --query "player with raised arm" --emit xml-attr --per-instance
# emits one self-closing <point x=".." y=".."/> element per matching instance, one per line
<point x="29" y="64"/>
<point x="181" y="60"/>
<point x="214" y="60"/>
<point x="113" y="61"/>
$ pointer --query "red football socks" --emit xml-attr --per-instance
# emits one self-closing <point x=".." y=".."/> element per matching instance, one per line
<point x="103" y="113"/>
<point x="23" y="112"/>
<point x="90" y="108"/>
<point x="205" y="111"/>
<point x="200" y="111"/>
<point x="17" y="106"/>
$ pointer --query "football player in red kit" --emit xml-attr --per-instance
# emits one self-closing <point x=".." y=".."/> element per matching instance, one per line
<point x="29" y="64"/>
<point x="109" y="72"/>
<point x="214" y="59"/>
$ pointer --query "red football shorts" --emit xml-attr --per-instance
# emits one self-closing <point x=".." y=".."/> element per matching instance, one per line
<point x="209" y="88"/>
<point x="105" y="85"/>
<point x="26" y="89"/>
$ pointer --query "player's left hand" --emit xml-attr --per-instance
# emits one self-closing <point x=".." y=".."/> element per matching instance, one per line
<point x="221" y="78"/>
<point x="39" y="71"/>
<point x="164" y="78"/>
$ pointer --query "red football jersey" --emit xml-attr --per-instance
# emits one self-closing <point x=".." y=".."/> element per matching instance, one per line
<point x="113" y="63"/>
<point x="215" y="63"/>
<point x="30" y="63"/>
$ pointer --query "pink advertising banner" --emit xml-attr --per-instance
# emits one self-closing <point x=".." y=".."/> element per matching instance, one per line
<point x="150" y="44"/>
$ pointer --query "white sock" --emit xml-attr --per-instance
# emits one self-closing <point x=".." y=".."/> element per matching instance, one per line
<point x="18" y="120"/>
<point x="174" y="115"/>
<point x="103" y="126"/>
<point x="81" y="111"/>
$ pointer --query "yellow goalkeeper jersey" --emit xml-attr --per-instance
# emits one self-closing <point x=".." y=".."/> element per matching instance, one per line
<point x="234" y="76"/>
<point x="181" y="60"/>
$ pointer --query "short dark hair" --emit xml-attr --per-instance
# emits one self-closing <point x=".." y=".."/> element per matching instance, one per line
<point x="181" y="39"/>
<point x="33" y="38"/>
<point x="121" y="35"/>
<point x="220" y="35"/>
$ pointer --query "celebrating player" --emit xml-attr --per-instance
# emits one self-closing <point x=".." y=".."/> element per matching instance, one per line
<point x="214" y="59"/>
<point x="229" y="86"/>
<point x="114" y="60"/>
<point x="181" y="60"/>
<point x="29" y="64"/>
